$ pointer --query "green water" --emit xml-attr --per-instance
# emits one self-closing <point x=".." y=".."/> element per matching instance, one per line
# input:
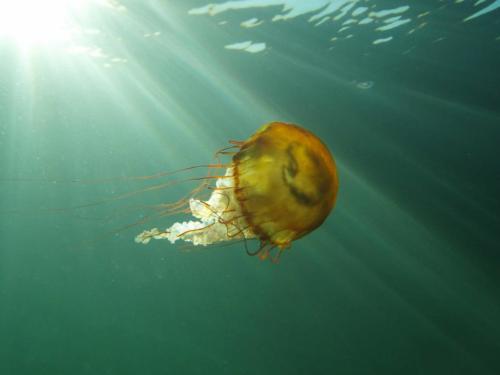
<point x="402" y="278"/>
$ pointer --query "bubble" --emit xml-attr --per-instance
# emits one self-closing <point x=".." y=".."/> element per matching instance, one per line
<point x="365" y="85"/>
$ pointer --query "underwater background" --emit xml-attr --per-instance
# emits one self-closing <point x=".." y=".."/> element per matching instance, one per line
<point x="403" y="276"/>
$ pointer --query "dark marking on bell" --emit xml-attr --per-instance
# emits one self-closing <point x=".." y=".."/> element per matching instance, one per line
<point x="290" y="171"/>
<point x="292" y="166"/>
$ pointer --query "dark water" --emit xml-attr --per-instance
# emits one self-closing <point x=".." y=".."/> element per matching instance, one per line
<point x="403" y="277"/>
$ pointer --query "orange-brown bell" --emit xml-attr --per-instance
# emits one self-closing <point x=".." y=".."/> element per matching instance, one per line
<point x="285" y="182"/>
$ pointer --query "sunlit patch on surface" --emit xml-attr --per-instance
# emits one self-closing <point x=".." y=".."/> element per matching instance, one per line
<point x="358" y="11"/>
<point x="393" y="25"/>
<point x="247" y="46"/>
<point x="97" y="54"/>
<point x="382" y="40"/>
<point x="154" y="34"/>
<point x="366" y="21"/>
<point x="320" y="13"/>
<point x="361" y="15"/>
<point x="252" y="22"/>
<point x="322" y="21"/>
<point x="489" y="8"/>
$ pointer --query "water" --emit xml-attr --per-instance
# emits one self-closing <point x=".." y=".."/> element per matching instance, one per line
<point x="401" y="278"/>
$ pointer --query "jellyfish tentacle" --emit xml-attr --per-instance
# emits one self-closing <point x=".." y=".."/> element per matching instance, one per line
<point x="276" y="258"/>
<point x="225" y="151"/>
<point x="254" y="253"/>
<point x="180" y="235"/>
<point x="236" y="143"/>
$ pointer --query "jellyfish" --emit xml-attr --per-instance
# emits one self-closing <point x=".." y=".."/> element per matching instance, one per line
<point x="280" y="185"/>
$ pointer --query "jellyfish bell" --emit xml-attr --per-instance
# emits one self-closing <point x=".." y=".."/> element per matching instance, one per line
<point x="280" y="185"/>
